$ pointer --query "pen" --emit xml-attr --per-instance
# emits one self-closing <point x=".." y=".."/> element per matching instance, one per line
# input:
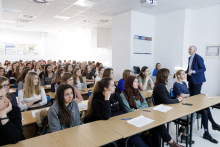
<point x="147" y="110"/>
<point x="126" y="118"/>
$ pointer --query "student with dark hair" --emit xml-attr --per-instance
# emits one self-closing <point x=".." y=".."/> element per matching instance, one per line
<point x="133" y="100"/>
<point x="16" y="74"/>
<point x="121" y="82"/>
<point x="69" y="68"/>
<point x="64" y="113"/>
<point x="6" y="86"/>
<point x="105" y="103"/>
<point x="20" y="80"/>
<point x="48" y="75"/>
<point x="57" y="79"/>
<point x="12" y="70"/>
<point x="2" y="72"/>
<point x="78" y="81"/>
<point x="157" y="67"/>
<point x="11" y="130"/>
<point x="29" y="65"/>
<point x="109" y="73"/>
<point x="144" y="80"/>
<point x="88" y="74"/>
<point x="100" y="74"/>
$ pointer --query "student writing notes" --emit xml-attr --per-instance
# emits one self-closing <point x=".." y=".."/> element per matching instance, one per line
<point x="64" y="113"/>
<point x="10" y="121"/>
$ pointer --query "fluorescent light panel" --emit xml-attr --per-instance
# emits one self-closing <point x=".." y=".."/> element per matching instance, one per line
<point x="62" y="17"/>
<point x="11" y="10"/>
<point x="10" y="21"/>
<point x="85" y="3"/>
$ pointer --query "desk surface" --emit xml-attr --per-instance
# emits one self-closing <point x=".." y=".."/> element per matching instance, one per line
<point x="12" y="90"/>
<point x="86" y="135"/>
<point x="46" y="88"/>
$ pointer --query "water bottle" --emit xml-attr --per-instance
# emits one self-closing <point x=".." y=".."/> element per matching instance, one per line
<point x="56" y="85"/>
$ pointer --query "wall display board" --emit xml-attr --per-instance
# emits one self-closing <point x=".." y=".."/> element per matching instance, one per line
<point x="142" y="45"/>
<point x="2" y="48"/>
<point x="10" y="48"/>
<point x="32" y="49"/>
<point x="22" y="49"/>
<point x="212" y="51"/>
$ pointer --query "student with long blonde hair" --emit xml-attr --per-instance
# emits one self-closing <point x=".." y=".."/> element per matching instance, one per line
<point x="57" y="79"/>
<point x="78" y="81"/>
<point x="37" y="68"/>
<point x="68" y="79"/>
<point x="32" y="93"/>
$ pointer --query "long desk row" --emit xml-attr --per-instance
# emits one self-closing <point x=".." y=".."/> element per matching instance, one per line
<point x="105" y="131"/>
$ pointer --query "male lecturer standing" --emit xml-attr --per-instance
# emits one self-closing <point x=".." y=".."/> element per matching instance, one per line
<point x="195" y="72"/>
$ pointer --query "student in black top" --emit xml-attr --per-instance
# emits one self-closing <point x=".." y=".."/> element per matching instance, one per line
<point x="105" y="103"/>
<point x="88" y="74"/>
<point x="57" y="79"/>
<point x="109" y="73"/>
<point x="10" y="121"/>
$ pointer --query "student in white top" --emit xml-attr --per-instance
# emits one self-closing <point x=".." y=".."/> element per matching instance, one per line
<point x="32" y="95"/>
<point x="78" y="81"/>
<point x="37" y="68"/>
<point x="99" y="76"/>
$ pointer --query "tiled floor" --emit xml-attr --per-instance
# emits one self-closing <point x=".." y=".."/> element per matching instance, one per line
<point x="197" y="134"/>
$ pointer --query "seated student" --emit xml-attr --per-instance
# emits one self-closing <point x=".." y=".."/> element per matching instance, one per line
<point x="11" y="70"/>
<point x="157" y="67"/>
<point x="68" y="79"/>
<point x="121" y="82"/>
<point x="15" y="75"/>
<point x="37" y="68"/>
<point x="105" y="103"/>
<point x="69" y="68"/>
<point x="144" y="80"/>
<point x="133" y="100"/>
<point x="57" y="79"/>
<point x="180" y="88"/>
<point x="8" y="67"/>
<point x="6" y="86"/>
<point x="11" y="130"/>
<point x="48" y="75"/>
<point x="78" y="81"/>
<point x="21" y="78"/>
<point x="100" y="73"/>
<point x="97" y="66"/>
<point x="29" y="65"/>
<point x="5" y="64"/>
<point x="31" y="93"/>
<point x="81" y="66"/>
<point x="64" y="113"/>
<point x="88" y="74"/>
<point x="2" y="72"/>
<point x="42" y="72"/>
<point x="109" y="73"/>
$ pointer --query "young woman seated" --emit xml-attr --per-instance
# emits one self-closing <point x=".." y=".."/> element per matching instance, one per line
<point x="78" y="81"/>
<point x="97" y="66"/>
<point x="133" y="100"/>
<point x="121" y="82"/>
<point x="69" y="68"/>
<point x="105" y="103"/>
<point x="48" y="75"/>
<point x="37" y="68"/>
<point x="109" y="73"/>
<point x="100" y="74"/>
<point x="16" y="74"/>
<point x="180" y="89"/>
<point x="144" y="80"/>
<point x="21" y="78"/>
<point x="88" y="74"/>
<point x="32" y="95"/>
<point x="10" y="121"/>
<point x="157" y="67"/>
<point x="2" y="72"/>
<point x="68" y="79"/>
<point x="57" y="79"/>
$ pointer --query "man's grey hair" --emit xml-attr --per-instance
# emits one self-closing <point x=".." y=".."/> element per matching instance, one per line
<point x="193" y="47"/>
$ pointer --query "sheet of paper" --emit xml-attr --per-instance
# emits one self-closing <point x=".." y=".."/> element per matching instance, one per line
<point x="162" y="108"/>
<point x="140" y="121"/>
<point x="210" y="97"/>
<point x="151" y="91"/>
<point x="22" y="118"/>
<point x="48" y="85"/>
<point x="35" y="111"/>
<point x="82" y="106"/>
<point x="85" y="102"/>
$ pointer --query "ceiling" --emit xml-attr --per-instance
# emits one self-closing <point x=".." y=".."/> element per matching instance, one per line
<point x="81" y="17"/>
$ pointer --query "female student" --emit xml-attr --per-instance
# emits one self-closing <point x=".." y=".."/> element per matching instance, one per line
<point x="97" y="66"/>
<point x="37" y="68"/>
<point x="144" y="80"/>
<point x="12" y="70"/>
<point x="42" y="72"/>
<point x="133" y="100"/>
<point x="157" y="67"/>
<point x="2" y="71"/>
<point x="81" y="66"/>
<point x="57" y="79"/>
<point x="121" y="82"/>
<point x="88" y="74"/>
<point x="32" y="95"/>
<point x="48" y="75"/>
<point x="6" y="86"/>
<point x="69" y="68"/>
<point x="109" y="73"/>
<point x="105" y="103"/>
<point x="20" y="80"/>
<point x="100" y="73"/>
<point x="10" y="121"/>
<point x="180" y="88"/>
<point x="78" y="81"/>
<point x="68" y="79"/>
<point x="64" y="113"/>
<point x="15" y="75"/>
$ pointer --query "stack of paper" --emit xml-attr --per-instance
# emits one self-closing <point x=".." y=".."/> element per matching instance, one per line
<point x="82" y="106"/>
<point x="140" y="121"/>
<point x="48" y="85"/>
<point x="162" y="108"/>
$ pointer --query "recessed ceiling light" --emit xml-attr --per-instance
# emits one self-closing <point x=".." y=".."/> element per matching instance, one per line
<point x="11" y="10"/>
<point x="104" y="20"/>
<point x="10" y="21"/>
<point x="27" y="16"/>
<point x="41" y="1"/>
<point x="62" y="17"/>
<point x="84" y="3"/>
<point x="44" y="25"/>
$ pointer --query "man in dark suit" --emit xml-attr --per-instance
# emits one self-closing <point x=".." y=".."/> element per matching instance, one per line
<point x="195" y="72"/>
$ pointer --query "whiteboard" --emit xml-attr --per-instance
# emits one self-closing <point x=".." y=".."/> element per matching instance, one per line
<point x="142" y="45"/>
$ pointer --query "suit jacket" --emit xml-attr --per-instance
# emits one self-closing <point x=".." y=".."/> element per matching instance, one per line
<point x="199" y="67"/>
<point x="162" y="96"/>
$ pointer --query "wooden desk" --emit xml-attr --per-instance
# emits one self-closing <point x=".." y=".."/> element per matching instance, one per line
<point x="12" y="90"/>
<point x="47" y="89"/>
<point x="87" y="135"/>
<point x="12" y="85"/>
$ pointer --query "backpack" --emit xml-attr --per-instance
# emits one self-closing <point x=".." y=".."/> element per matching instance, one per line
<point x="42" y="122"/>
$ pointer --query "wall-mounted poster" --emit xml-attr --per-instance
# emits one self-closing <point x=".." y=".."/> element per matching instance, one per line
<point x="32" y="49"/>
<point x="2" y="48"/>
<point x="142" y="45"/>
<point x="10" y="48"/>
<point x="22" y="49"/>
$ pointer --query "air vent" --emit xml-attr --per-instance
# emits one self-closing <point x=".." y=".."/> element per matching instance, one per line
<point x="24" y="21"/>
<point x="41" y="1"/>
<point x="25" y="16"/>
<point x="104" y="20"/>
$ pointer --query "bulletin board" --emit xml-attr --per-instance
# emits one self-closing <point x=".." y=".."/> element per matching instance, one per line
<point x="212" y="51"/>
<point x="142" y="45"/>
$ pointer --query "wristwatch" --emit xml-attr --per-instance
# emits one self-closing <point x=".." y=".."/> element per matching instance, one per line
<point x="4" y="118"/>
